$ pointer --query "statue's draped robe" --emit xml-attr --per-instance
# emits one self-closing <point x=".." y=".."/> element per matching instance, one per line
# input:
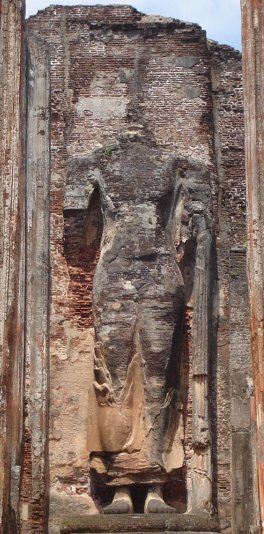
<point x="138" y="301"/>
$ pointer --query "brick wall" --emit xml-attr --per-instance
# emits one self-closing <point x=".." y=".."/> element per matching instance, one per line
<point x="113" y="70"/>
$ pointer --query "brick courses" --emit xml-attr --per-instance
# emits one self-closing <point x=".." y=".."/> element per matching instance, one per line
<point x="111" y="73"/>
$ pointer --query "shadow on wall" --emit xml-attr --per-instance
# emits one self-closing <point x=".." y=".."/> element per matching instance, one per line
<point x="82" y="238"/>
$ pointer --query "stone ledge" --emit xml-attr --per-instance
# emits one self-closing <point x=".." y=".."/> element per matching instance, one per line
<point x="159" y="523"/>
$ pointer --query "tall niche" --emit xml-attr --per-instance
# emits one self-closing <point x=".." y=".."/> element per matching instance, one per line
<point x="82" y="238"/>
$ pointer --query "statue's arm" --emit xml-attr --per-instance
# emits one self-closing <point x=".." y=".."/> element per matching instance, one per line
<point x="190" y="228"/>
<point x="83" y="177"/>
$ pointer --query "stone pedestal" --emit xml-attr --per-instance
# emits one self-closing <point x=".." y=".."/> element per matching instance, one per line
<point x="141" y="523"/>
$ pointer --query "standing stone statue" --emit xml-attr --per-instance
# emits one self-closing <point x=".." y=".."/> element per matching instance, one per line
<point x="138" y="308"/>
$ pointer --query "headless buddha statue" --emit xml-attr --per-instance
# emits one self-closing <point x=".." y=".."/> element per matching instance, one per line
<point x="138" y="303"/>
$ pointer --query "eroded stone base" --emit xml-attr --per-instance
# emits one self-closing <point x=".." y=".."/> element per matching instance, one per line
<point x="141" y="523"/>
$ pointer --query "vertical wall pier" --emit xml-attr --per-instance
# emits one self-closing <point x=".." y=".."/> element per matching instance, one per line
<point x="34" y="489"/>
<point x="253" y="57"/>
<point x="12" y="256"/>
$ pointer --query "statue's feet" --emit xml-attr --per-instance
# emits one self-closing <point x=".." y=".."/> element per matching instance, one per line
<point x="121" y="504"/>
<point x="155" y="504"/>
